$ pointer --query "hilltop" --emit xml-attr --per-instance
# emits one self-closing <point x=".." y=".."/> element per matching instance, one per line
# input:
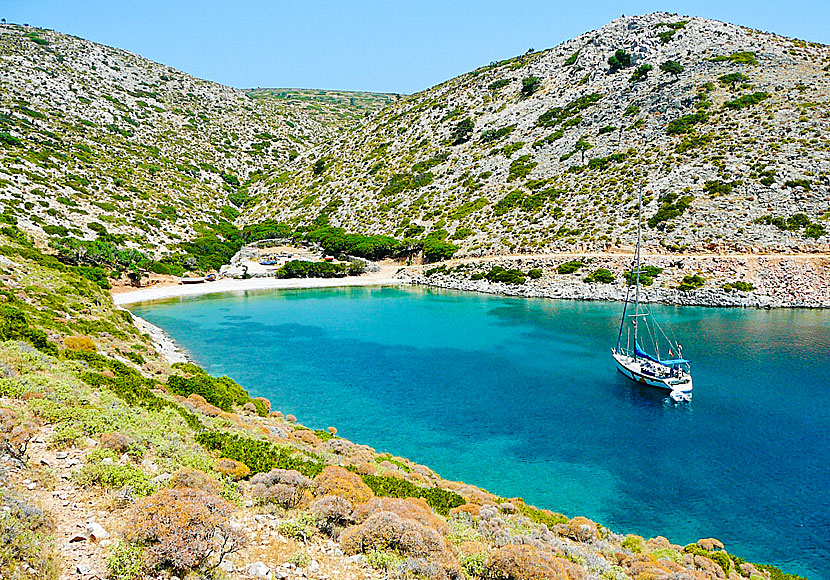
<point x="722" y="128"/>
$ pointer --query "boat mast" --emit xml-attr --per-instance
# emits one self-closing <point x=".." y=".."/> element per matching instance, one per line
<point x="637" y="266"/>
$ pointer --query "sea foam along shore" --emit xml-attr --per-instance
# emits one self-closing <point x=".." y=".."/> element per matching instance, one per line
<point x="382" y="278"/>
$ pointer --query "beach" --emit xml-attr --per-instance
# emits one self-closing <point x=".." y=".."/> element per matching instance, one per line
<point x="383" y="277"/>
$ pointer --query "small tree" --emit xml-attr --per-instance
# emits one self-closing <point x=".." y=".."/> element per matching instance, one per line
<point x="462" y="132"/>
<point x="620" y="60"/>
<point x="641" y="72"/>
<point x="582" y="146"/>
<point x="530" y="85"/>
<point x="319" y="166"/>
<point x="672" y="67"/>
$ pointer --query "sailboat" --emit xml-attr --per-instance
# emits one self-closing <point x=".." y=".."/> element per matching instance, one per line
<point x="671" y="374"/>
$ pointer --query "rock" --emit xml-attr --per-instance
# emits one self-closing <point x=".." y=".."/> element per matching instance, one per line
<point x="61" y="455"/>
<point x="226" y="566"/>
<point x="77" y="538"/>
<point x="258" y="570"/>
<point x="83" y="569"/>
<point x="710" y="544"/>
<point x="314" y="567"/>
<point x="96" y="531"/>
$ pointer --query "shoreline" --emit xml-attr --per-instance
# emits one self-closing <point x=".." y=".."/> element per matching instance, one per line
<point x="162" y="292"/>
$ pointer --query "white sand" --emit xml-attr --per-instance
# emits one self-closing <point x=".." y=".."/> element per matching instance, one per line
<point x="382" y="278"/>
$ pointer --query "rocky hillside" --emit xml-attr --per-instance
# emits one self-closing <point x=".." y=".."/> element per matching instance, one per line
<point x="724" y="129"/>
<point x="92" y="134"/>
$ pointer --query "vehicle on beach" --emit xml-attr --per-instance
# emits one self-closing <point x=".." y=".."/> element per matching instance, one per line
<point x="672" y="374"/>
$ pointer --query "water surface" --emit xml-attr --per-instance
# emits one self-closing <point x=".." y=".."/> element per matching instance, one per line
<point x="520" y="397"/>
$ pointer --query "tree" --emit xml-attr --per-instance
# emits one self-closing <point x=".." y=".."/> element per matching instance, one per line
<point x="672" y="67"/>
<point x="620" y="60"/>
<point x="461" y="133"/>
<point x="641" y="72"/>
<point x="582" y="146"/>
<point x="530" y="85"/>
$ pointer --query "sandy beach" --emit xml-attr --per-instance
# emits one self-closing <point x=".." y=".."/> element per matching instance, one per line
<point x="384" y="277"/>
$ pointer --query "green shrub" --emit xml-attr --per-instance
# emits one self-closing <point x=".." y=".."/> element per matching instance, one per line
<point x="534" y="273"/>
<point x="569" y="267"/>
<point x="495" y="134"/>
<point x="337" y="241"/>
<point x="302" y="269"/>
<point x="672" y="206"/>
<point x="601" y="275"/>
<point x="572" y="59"/>
<point x="686" y="123"/>
<point x="647" y="275"/>
<point x="221" y="392"/>
<point x="259" y="456"/>
<point x="505" y="275"/>
<point x="620" y="60"/>
<point x="266" y="230"/>
<point x="556" y="115"/>
<point x="802" y="183"/>
<point x="672" y="67"/>
<point x="743" y="57"/>
<point x="462" y="132"/>
<point x="691" y="282"/>
<point x="747" y="100"/>
<point x="441" y="500"/>
<point x="641" y="72"/>
<point x="126" y="561"/>
<point x="15" y="325"/>
<point x="436" y="247"/>
<point x="498" y="84"/>
<point x="732" y="79"/>
<point x="546" y="517"/>
<point x="529" y="86"/>
<point x="740" y="285"/>
<point x="521" y="167"/>
<point x="633" y="543"/>
<point x="114" y="476"/>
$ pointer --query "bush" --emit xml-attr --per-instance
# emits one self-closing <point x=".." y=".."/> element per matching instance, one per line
<point x="26" y="550"/>
<point x="672" y="206"/>
<point x="285" y="487"/>
<point x="633" y="543"/>
<point x="620" y="60"/>
<point x="529" y="86"/>
<point x="686" y="123"/>
<point x="334" y="480"/>
<point x="125" y="562"/>
<point x="83" y="343"/>
<point x="15" y="325"/>
<point x="569" y="267"/>
<point x="266" y="230"/>
<point x="672" y="67"/>
<point x="188" y="477"/>
<point x="692" y="282"/>
<point x="115" y="442"/>
<point x="258" y="456"/>
<point x="332" y="512"/>
<point x="647" y="275"/>
<point x="441" y="500"/>
<point x="600" y="275"/>
<point x="507" y="276"/>
<point x="222" y="392"/>
<point x="385" y="530"/>
<point x="15" y="434"/>
<point x="436" y="247"/>
<point x="231" y="468"/>
<point x="302" y="269"/>
<point x="179" y="527"/>
<point x="114" y="476"/>
<point x="747" y="101"/>
<point x="534" y="273"/>
<point x="462" y="132"/>
<point x="526" y="562"/>
<point x="641" y="72"/>
<point x="740" y="286"/>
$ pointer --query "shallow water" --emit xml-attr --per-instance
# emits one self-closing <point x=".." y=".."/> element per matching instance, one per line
<point x="520" y="396"/>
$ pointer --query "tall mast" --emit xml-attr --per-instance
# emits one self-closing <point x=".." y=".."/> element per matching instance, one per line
<point x="637" y="260"/>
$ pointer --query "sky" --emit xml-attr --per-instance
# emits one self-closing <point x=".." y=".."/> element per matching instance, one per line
<point x="398" y="46"/>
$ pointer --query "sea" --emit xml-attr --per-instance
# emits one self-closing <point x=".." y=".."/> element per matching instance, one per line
<point x="521" y="397"/>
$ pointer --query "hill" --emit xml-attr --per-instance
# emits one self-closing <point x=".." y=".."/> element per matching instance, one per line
<point x="723" y="129"/>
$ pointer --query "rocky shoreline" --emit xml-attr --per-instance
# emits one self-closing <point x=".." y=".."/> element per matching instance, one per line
<point x="778" y="281"/>
<point x="162" y="342"/>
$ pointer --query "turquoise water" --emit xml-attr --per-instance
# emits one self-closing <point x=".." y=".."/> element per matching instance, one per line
<point x="520" y="396"/>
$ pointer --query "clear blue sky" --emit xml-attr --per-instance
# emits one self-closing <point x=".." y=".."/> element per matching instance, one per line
<point x="375" y="45"/>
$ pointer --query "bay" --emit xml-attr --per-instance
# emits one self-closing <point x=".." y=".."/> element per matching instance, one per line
<point x="520" y="396"/>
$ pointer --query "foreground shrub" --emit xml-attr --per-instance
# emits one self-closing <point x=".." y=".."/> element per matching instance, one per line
<point x="222" y="392"/>
<point x="117" y="442"/>
<point x="692" y="282"/>
<point x="114" y="476"/>
<point x="125" y="562"/>
<point x="528" y="563"/>
<point x="385" y="530"/>
<point x="410" y="508"/>
<point x="24" y="541"/>
<point x="332" y="512"/>
<point x="184" y="529"/>
<point x="569" y="267"/>
<point x="285" y="487"/>
<point x="79" y="343"/>
<point x="195" y="479"/>
<point x="334" y="480"/>
<point x="15" y="434"/>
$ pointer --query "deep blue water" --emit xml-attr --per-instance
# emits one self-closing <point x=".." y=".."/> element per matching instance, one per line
<point x="520" y="396"/>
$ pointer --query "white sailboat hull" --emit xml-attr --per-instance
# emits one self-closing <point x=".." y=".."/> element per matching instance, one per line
<point x="634" y="370"/>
